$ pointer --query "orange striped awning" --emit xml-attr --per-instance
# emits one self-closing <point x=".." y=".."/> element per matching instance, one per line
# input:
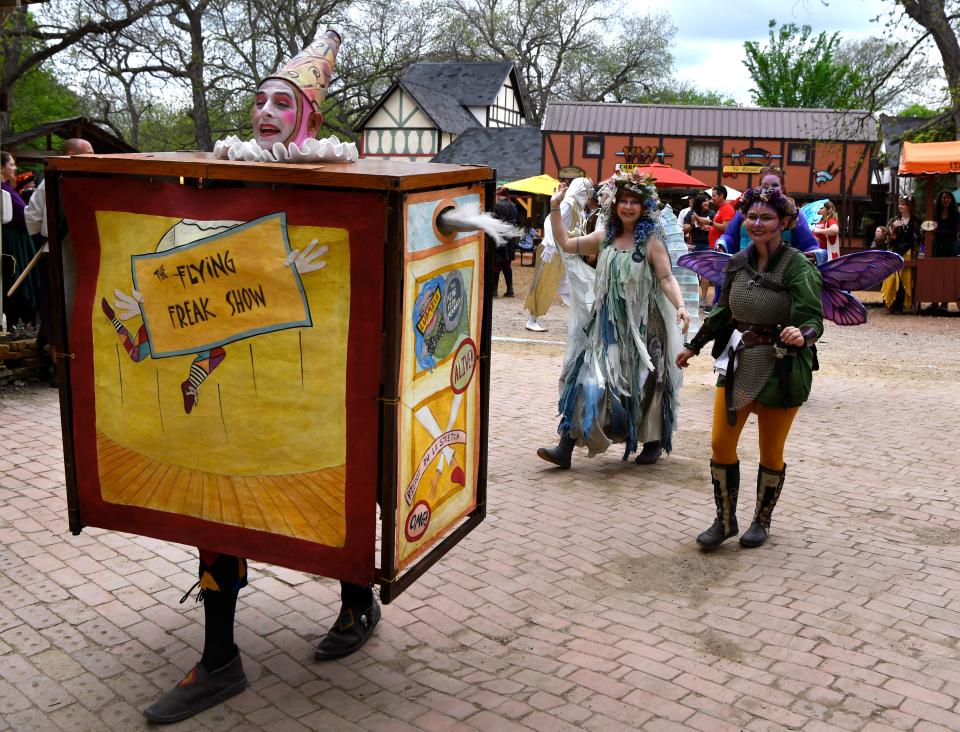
<point x="929" y="158"/>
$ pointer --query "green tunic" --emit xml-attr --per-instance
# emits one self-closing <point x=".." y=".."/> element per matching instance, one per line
<point x="804" y="283"/>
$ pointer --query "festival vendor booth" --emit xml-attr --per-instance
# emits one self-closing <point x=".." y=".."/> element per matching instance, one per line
<point x="527" y="188"/>
<point x="533" y="196"/>
<point x="937" y="278"/>
<point x="254" y="355"/>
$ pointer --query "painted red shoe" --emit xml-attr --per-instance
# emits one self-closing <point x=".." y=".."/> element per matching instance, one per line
<point x="190" y="396"/>
<point x="457" y="476"/>
<point x="107" y="310"/>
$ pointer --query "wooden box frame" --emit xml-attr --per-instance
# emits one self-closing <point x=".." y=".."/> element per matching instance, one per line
<point x="395" y="185"/>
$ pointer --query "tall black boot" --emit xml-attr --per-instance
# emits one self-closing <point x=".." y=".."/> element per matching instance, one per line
<point x="726" y="489"/>
<point x="769" y="485"/>
<point x="508" y="278"/>
<point x="559" y="455"/>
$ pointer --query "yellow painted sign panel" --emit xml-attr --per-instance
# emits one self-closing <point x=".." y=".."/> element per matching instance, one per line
<point x="742" y="168"/>
<point x="216" y="290"/>
<point x="247" y="418"/>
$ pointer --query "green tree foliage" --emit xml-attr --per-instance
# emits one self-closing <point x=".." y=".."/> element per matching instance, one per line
<point x="797" y="69"/>
<point x="918" y="110"/>
<point x="37" y="98"/>
<point x="688" y="95"/>
<point x="939" y="21"/>
<point x="938" y="127"/>
<point x="28" y="41"/>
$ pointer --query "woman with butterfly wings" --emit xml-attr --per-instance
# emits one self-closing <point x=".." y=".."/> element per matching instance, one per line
<point x="857" y="271"/>
<point x="770" y="314"/>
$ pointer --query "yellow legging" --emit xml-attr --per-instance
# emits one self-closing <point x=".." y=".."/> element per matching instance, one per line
<point x="773" y="424"/>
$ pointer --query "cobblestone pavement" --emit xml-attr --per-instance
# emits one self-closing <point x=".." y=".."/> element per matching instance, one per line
<point x="581" y="603"/>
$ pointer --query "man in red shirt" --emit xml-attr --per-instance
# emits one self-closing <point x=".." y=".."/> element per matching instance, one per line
<point x="725" y="214"/>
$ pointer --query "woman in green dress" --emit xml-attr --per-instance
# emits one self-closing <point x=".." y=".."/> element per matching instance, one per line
<point x="767" y="319"/>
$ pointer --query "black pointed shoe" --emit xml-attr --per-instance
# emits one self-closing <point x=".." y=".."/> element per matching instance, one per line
<point x="198" y="690"/>
<point x="559" y="455"/>
<point x="349" y="633"/>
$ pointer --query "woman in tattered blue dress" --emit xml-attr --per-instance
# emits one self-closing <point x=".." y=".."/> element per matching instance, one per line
<point x="621" y="385"/>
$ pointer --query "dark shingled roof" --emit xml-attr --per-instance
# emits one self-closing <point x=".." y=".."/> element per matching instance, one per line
<point x="893" y="129"/>
<point x="471" y="84"/>
<point x="690" y="121"/>
<point x="442" y="108"/>
<point x="516" y="152"/>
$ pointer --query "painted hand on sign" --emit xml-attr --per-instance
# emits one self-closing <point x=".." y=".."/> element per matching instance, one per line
<point x="127" y="306"/>
<point x="210" y="284"/>
<point x="307" y="260"/>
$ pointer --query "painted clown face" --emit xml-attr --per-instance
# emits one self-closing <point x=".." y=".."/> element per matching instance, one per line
<point x="281" y="114"/>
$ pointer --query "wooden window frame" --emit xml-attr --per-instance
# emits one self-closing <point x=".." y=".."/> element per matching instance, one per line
<point x="711" y="143"/>
<point x="798" y="146"/>
<point x="587" y="141"/>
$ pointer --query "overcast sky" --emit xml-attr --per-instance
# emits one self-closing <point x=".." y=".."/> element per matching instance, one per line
<point x="708" y="49"/>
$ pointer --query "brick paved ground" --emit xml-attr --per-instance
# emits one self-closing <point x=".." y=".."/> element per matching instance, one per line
<point x="582" y="602"/>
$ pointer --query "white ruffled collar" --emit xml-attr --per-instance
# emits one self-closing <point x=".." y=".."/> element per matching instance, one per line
<point x="329" y="149"/>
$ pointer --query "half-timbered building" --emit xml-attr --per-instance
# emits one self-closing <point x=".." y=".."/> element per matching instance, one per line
<point x="825" y="153"/>
<point x="433" y="103"/>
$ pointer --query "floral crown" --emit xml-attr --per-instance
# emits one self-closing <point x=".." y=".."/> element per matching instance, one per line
<point x="783" y="205"/>
<point x="640" y="185"/>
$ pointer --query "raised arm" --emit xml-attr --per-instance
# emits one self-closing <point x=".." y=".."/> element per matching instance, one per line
<point x="588" y="244"/>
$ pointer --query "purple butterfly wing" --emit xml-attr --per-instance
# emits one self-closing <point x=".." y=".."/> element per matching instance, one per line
<point x="841" y="307"/>
<point x="860" y="270"/>
<point x="709" y="264"/>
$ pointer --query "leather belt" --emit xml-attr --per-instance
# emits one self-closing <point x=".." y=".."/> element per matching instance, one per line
<point x="758" y="335"/>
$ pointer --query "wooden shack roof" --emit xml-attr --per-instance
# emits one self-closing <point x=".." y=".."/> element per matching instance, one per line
<point x="103" y="141"/>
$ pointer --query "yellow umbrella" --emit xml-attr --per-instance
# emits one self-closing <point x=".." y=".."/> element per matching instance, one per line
<point x="542" y="185"/>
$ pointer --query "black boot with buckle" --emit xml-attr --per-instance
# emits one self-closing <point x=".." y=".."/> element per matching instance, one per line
<point x="726" y="488"/>
<point x="359" y="615"/>
<point x="559" y="455"/>
<point x="769" y="485"/>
